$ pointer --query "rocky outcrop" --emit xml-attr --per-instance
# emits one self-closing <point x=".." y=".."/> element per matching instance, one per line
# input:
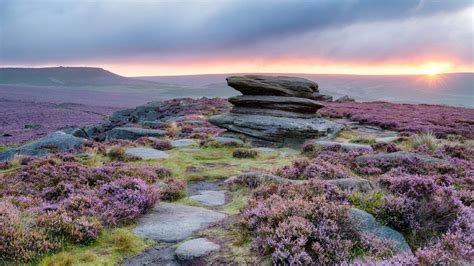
<point x="275" y="111"/>
<point x="133" y="133"/>
<point x="57" y="141"/>
<point x="344" y="99"/>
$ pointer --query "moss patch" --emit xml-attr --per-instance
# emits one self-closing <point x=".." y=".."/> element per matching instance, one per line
<point x="112" y="246"/>
<point x="239" y="200"/>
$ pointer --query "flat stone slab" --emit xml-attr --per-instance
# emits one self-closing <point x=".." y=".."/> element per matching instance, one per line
<point x="264" y="149"/>
<point x="226" y="140"/>
<point x="344" y="146"/>
<point x="133" y="133"/>
<point x="153" y="256"/>
<point x="183" y="142"/>
<point x="172" y="222"/>
<point x="195" y="248"/>
<point x="386" y="139"/>
<point x="210" y="197"/>
<point x="398" y="156"/>
<point x="291" y="104"/>
<point x="146" y="153"/>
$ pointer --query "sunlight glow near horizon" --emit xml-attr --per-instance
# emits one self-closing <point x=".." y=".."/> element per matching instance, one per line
<point x="428" y="68"/>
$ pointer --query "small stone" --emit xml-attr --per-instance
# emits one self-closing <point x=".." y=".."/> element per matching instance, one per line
<point x="386" y="139"/>
<point x="353" y="184"/>
<point x="195" y="248"/>
<point x="264" y="149"/>
<point x="183" y="142"/>
<point x="210" y="197"/>
<point x="146" y="153"/>
<point x="344" y="146"/>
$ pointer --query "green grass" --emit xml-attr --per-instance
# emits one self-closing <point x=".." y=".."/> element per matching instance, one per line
<point x="363" y="140"/>
<point x="112" y="246"/>
<point x="188" y="201"/>
<point x="217" y="163"/>
<point x="239" y="200"/>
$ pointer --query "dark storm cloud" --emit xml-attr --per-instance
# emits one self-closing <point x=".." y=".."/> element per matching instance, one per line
<point x="54" y="31"/>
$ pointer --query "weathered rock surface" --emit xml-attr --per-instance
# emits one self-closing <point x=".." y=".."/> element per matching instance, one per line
<point x="399" y="156"/>
<point x="133" y="133"/>
<point x="183" y="142"/>
<point x="277" y="129"/>
<point x="195" y="248"/>
<point x="156" y="255"/>
<point x="291" y="104"/>
<point x="344" y="146"/>
<point x="57" y="141"/>
<point x="210" y="197"/>
<point x="275" y="111"/>
<point x="171" y="222"/>
<point x="278" y="86"/>
<point x="146" y="153"/>
<point x="353" y="184"/>
<point x="228" y="141"/>
<point x="366" y="223"/>
<point x="344" y="99"/>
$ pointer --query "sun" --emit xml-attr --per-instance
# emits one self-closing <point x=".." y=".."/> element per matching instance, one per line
<point x="433" y="69"/>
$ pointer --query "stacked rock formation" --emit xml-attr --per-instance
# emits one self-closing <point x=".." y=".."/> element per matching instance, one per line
<point x="275" y="110"/>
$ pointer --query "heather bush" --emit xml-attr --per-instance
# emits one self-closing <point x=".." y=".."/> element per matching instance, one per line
<point x="386" y="147"/>
<point x="117" y="153"/>
<point x="244" y="153"/>
<point x="160" y="144"/>
<point x="440" y="120"/>
<point x="5" y="165"/>
<point x="315" y="168"/>
<point x="418" y="207"/>
<point x="172" y="189"/>
<point x="458" y="151"/>
<point x="304" y="224"/>
<point x="52" y="202"/>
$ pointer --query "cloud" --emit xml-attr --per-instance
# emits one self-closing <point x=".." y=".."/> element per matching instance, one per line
<point x="41" y="32"/>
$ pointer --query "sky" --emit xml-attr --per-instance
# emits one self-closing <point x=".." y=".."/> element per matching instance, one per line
<point x="178" y="37"/>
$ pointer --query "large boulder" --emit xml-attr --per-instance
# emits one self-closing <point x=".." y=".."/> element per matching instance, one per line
<point x="133" y="133"/>
<point x="278" y="86"/>
<point x="292" y="104"/>
<point x="283" y="130"/>
<point x="56" y="141"/>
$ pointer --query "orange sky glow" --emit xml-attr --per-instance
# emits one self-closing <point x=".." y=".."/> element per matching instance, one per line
<point x="150" y="69"/>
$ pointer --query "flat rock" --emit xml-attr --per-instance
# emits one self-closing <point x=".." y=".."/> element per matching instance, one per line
<point x="171" y="222"/>
<point x="133" y="133"/>
<point x="183" y="142"/>
<point x="398" y="156"/>
<point x="146" y="153"/>
<point x="277" y="129"/>
<point x="344" y="146"/>
<point x="366" y="223"/>
<point x="291" y="104"/>
<point x="264" y="149"/>
<point x="353" y="184"/>
<point x="156" y="255"/>
<point x="270" y="112"/>
<point x="210" y="197"/>
<point x="58" y="141"/>
<point x="195" y="248"/>
<point x="271" y="85"/>
<point x="386" y="139"/>
<point x="344" y="99"/>
<point x="227" y="140"/>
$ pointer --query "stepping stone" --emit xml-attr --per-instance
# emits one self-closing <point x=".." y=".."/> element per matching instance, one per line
<point x="146" y="153"/>
<point x="172" y="222"/>
<point x="210" y="197"/>
<point x="263" y="149"/>
<point x="195" y="248"/>
<point x="156" y="255"/>
<point x="183" y="142"/>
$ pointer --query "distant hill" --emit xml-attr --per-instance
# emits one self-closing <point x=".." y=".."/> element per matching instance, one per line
<point x="67" y="76"/>
<point x="455" y="89"/>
